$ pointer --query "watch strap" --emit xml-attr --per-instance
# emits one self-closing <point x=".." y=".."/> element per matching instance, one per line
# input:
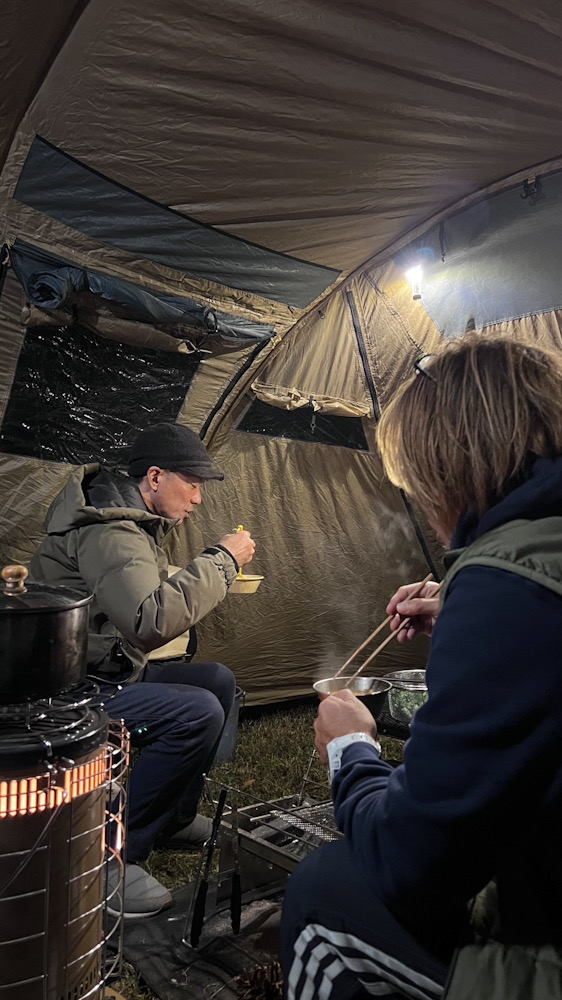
<point x="336" y="747"/>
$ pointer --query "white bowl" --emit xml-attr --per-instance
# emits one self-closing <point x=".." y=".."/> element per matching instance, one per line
<point x="245" y="584"/>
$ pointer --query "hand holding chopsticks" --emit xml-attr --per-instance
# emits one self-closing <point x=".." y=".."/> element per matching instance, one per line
<point x="403" y="624"/>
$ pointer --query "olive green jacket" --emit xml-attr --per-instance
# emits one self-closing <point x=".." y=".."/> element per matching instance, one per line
<point x="114" y="552"/>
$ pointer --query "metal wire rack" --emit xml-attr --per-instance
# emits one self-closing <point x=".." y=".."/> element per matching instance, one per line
<point x="259" y="842"/>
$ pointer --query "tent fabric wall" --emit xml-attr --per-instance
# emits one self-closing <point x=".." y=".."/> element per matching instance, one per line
<point x="331" y="539"/>
<point x="544" y="328"/>
<point x="496" y="259"/>
<point x="312" y="367"/>
<point x="340" y="135"/>
<point x="312" y="364"/>
<point x="29" y="42"/>
<point x="323" y="132"/>
<point x="28" y="487"/>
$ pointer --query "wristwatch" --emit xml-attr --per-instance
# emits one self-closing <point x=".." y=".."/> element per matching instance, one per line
<point x="336" y="747"/>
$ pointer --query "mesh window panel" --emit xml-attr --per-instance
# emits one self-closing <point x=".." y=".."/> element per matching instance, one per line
<point x="304" y="425"/>
<point x="78" y="398"/>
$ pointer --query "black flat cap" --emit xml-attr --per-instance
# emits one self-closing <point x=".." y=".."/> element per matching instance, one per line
<point x="173" y="447"/>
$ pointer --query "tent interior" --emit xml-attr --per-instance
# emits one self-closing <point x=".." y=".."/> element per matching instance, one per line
<point x="252" y="218"/>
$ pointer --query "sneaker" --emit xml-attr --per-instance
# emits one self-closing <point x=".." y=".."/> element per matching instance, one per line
<point x="191" y="838"/>
<point x="144" y="896"/>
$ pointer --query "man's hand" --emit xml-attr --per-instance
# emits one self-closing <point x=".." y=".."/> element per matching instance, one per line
<point x="423" y="609"/>
<point x="338" y="715"/>
<point x="241" y="545"/>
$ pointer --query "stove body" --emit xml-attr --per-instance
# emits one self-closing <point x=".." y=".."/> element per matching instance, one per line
<point x="58" y="762"/>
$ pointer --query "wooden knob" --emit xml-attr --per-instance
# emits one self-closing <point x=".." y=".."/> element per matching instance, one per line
<point x="14" y="577"/>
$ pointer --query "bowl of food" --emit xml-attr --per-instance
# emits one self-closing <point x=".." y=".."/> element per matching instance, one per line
<point x="407" y="694"/>
<point x="371" y="690"/>
<point x="245" y="584"/>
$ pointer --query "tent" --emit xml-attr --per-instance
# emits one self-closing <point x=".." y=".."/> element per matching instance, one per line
<point x="208" y="213"/>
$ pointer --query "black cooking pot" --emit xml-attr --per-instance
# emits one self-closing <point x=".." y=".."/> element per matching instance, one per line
<point x="43" y="638"/>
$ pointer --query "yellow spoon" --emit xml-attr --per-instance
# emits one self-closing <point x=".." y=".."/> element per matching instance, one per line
<point x="240" y="528"/>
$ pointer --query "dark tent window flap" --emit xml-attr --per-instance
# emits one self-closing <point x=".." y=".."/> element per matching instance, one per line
<point x="78" y="398"/>
<point x="65" y="189"/>
<point x="304" y="424"/>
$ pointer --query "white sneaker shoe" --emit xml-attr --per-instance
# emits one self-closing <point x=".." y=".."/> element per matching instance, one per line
<point x="144" y="896"/>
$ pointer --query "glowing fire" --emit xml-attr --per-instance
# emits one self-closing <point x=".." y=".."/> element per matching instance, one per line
<point x="25" y="796"/>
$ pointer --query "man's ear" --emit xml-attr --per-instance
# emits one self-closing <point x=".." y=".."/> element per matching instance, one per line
<point x="154" y="475"/>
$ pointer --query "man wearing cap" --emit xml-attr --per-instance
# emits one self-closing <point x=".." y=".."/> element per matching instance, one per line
<point x="104" y="535"/>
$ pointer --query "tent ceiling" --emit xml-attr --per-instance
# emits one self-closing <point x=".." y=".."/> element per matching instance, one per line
<point x="325" y="130"/>
<point x="29" y="41"/>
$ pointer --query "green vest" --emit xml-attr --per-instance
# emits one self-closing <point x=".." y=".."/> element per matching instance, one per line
<point x="483" y="968"/>
<point x="529" y="548"/>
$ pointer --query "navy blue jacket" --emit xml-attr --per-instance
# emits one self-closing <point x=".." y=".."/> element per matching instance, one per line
<point x="479" y="793"/>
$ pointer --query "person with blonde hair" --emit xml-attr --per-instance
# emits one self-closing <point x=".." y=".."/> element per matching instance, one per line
<point x="475" y="440"/>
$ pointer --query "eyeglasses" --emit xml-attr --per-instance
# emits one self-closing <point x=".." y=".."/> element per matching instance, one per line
<point x="420" y="366"/>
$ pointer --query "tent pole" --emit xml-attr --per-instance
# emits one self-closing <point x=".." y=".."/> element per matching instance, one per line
<point x="377" y="413"/>
<point x="4" y="265"/>
<point x="233" y="382"/>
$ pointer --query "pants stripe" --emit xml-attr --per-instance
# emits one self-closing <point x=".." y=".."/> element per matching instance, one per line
<point x="321" y="955"/>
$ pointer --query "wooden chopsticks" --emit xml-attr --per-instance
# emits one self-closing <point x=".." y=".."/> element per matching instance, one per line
<point x="404" y="624"/>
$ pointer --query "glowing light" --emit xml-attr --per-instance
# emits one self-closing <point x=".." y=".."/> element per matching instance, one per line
<point x="415" y="276"/>
<point x="24" y="795"/>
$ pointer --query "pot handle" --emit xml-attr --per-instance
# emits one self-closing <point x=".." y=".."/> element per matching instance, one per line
<point x="14" y="577"/>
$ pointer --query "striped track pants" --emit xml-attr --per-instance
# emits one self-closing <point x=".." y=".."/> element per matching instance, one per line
<point x="338" y="938"/>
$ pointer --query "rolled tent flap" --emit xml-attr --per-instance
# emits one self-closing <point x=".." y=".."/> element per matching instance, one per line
<point x="54" y="289"/>
<point x="292" y="399"/>
<point x="51" y="284"/>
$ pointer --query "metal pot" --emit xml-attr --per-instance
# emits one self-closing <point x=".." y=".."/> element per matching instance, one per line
<point x="371" y="690"/>
<point x="409" y="692"/>
<point x="43" y="638"/>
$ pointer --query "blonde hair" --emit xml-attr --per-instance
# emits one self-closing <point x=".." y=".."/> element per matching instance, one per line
<point x="461" y="435"/>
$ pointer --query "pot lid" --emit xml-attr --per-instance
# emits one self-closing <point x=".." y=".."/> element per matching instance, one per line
<point x="17" y="595"/>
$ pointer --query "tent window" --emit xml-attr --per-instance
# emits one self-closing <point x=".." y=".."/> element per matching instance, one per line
<point x="79" y="398"/>
<point x="304" y="424"/>
<point x="90" y="203"/>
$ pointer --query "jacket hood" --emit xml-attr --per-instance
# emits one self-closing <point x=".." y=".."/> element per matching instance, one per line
<point x="539" y="496"/>
<point x="93" y="494"/>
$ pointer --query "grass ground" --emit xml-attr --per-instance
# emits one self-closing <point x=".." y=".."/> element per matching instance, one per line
<point x="273" y="753"/>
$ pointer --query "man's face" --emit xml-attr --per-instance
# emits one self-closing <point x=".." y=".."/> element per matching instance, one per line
<point x="173" y="494"/>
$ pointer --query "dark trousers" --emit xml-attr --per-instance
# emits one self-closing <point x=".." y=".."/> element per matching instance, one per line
<point x="340" y="941"/>
<point x="176" y="714"/>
